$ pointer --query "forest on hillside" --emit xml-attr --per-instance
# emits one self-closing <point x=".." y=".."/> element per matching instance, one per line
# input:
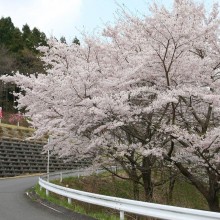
<point x="18" y="52"/>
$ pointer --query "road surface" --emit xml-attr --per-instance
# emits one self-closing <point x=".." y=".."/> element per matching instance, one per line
<point x="15" y="205"/>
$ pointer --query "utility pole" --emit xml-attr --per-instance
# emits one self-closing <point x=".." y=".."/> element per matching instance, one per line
<point x="1" y="115"/>
<point x="48" y="162"/>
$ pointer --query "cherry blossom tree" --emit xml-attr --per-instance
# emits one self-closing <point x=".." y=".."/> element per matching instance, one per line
<point x="180" y="60"/>
<point x="146" y="91"/>
<point x="177" y="57"/>
<point x="168" y="66"/>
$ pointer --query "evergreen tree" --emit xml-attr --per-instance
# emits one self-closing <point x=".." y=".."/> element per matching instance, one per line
<point x="63" y="40"/>
<point x="76" y="41"/>
<point x="38" y="38"/>
<point x="10" y="36"/>
<point x="26" y="33"/>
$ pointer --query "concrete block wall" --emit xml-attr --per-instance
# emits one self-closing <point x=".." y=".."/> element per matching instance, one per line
<point x="19" y="157"/>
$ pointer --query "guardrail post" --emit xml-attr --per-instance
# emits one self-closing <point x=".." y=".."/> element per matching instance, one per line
<point x="69" y="200"/>
<point x="47" y="192"/>
<point x="122" y="215"/>
<point x="61" y="177"/>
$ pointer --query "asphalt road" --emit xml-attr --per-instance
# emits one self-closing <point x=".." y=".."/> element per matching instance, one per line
<point x="16" y="205"/>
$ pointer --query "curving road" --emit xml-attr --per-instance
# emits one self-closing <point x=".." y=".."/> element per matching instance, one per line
<point x="15" y="205"/>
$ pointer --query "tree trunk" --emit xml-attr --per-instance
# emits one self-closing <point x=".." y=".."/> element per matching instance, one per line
<point x="147" y="179"/>
<point x="213" y="199"/>
<point x="213" y="203"/>
<point x="210" y="193"/>
<point x="171" y="186"/>
<point x="135" y="181"/>
<point x="136" y="193"/>
<point x="148" y="186"/>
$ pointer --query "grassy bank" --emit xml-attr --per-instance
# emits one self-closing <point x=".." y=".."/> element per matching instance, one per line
<point x="13" y="131"/>
<point x="17" y="132"/>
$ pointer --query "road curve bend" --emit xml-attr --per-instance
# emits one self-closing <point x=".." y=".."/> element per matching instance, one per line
<point x="15" y="204"/>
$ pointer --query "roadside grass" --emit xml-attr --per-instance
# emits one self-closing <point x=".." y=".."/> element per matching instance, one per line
<point x="105" y="184"/>
<point x="184" y="195"/>
<point x="53" y="198"/>
<point x="76" y="206"/>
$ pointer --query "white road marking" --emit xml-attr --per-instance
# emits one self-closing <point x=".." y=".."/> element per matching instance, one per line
<point x="46" y="205"/>
<point x="50" y="207"/>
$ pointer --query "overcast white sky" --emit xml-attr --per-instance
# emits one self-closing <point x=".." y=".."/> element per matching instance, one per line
<point x="66" y="17"/>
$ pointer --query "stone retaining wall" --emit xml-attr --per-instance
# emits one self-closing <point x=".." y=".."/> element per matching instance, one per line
<point x="25" y="157"/>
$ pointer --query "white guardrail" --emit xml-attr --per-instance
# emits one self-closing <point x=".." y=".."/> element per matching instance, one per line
<point x="131" y="206"/>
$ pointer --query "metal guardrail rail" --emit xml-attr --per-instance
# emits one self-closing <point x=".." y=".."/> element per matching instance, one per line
<point x="131" y="206"/>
